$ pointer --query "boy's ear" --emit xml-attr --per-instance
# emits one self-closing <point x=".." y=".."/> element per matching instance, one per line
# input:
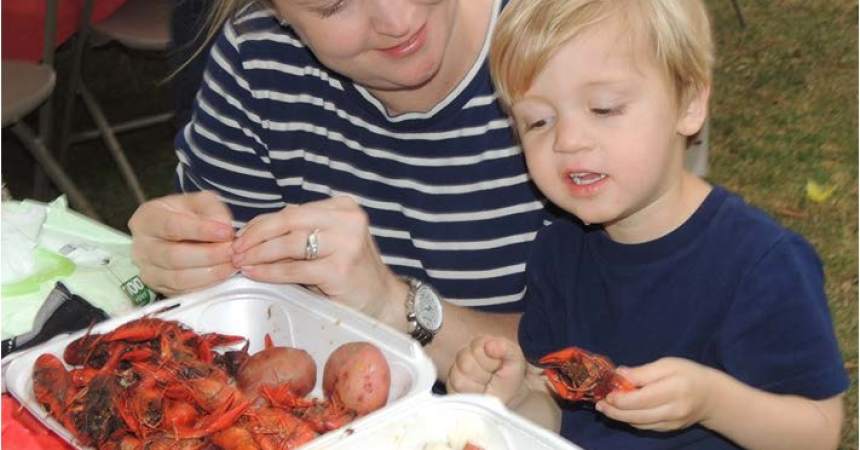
<point x="694" y="111"/>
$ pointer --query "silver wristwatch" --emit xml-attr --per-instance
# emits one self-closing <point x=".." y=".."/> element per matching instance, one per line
<point x="423" y="310"/>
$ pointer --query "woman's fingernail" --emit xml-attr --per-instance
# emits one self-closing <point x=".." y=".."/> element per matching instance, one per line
<point x="238" y="258"/>
<point x="223" y="232"/>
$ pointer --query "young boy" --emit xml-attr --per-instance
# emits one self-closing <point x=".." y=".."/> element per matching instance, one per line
<point x="717" y="313"/>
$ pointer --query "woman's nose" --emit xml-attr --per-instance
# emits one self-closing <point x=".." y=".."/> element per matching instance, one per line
<point x="392" y="17"/>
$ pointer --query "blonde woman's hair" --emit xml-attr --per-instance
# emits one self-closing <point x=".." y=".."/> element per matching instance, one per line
<point x="529" y="32"/>
<point x="219" y="13"/>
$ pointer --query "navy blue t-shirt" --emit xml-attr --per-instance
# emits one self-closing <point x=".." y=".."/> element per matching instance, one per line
<point x="730" y="289"/>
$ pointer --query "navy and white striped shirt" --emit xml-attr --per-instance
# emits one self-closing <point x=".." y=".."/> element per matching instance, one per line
<point x="446" y="191"/>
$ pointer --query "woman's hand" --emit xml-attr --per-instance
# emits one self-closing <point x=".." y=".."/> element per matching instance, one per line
<point x="182" y="242"/>
<point x="673" y="394"/>
<point x="348" y="267"/>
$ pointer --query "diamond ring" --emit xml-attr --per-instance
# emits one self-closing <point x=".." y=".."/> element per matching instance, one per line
<point x="312" y="247"/>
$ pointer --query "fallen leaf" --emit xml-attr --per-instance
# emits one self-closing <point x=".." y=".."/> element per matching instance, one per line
<point x="817" y="192"/>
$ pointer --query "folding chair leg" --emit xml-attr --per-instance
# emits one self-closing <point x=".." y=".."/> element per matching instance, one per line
<point x="46" y="111"/>
<point x="62" y="142"/>
<point x="46" y="126"/>
<point x="739" y="13"/>
<point x="53" y="169"/>
<point x="131" y="125"/>
<point x="112" y="144"/>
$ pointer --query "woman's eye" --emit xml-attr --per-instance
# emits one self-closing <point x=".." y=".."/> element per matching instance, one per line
<point x="332" y="8"/>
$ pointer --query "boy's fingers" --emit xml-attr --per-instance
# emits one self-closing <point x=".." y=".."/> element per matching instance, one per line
<point x="462" y="381"/>
<point x="486" y="362"/>
<point x="644" y="374"/>
<point x="502" y="349"/>
<point x="651" y="395"/>
<point x="467" y="376"/>
<point x="507" y="353"/>
<point x="636" y="417"/>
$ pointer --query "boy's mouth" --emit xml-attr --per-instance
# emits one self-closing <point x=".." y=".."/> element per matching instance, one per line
<point x="586" y="178"/>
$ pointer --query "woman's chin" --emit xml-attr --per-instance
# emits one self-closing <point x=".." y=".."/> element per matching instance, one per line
<point x="414" y="78"/>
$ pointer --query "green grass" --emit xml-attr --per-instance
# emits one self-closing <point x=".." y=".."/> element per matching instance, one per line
<point x="784" y="111"/>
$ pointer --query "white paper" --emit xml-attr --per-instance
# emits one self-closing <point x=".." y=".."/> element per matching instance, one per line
<point x="22" y="225"/>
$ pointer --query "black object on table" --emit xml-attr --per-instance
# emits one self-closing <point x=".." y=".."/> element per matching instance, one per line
<point x="62" y="312"/>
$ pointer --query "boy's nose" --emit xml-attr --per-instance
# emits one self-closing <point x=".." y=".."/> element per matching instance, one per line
<point x="391" y="17"/>
<point x="569" y="137"/>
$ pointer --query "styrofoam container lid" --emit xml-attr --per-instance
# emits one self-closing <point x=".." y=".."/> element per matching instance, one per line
<point x="291" y="315"/>
<point x="430" y="422"/>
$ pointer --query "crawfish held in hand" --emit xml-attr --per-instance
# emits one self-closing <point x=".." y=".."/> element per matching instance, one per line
<point x="575" y="374"/>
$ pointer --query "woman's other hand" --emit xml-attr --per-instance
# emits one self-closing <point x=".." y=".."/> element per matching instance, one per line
<point x="182" y="242"/>
<point x="347" y="268"/>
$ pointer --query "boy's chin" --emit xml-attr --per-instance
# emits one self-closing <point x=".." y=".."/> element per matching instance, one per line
<point x="591" y="218"/>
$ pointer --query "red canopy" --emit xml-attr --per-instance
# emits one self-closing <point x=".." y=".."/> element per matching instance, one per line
<point x="24" y="24"/>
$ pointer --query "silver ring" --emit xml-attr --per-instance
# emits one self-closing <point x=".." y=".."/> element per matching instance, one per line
<point x="312" y="247"/>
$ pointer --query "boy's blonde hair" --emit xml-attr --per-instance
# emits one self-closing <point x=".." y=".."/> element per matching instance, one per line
<point x="529" y="32"/>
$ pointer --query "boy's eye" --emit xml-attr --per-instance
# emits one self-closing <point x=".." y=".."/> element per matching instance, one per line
<point x="332" y="8"/>
<point x="607" y="111"/>
<point x="535" y="124"/>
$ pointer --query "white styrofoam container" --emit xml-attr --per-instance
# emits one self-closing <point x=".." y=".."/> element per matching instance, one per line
<point x="292" y="316"/>
<point x="428" y="422"/>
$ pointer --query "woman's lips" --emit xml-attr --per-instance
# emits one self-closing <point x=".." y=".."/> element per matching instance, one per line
<point x="410" y="46"/>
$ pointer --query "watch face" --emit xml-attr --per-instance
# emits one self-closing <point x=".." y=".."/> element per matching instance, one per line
<point x="428" y="309"/>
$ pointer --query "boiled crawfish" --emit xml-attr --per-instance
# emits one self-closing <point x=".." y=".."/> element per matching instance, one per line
<point x="576" y="374"/>
<point x="152" y="383"/>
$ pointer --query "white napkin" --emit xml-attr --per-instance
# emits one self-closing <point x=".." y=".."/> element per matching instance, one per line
<point x="22" y="224"/>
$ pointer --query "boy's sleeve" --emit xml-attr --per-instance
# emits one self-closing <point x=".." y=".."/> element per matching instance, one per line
<point x="224" y="146"/>
<point x="779" y="336"/>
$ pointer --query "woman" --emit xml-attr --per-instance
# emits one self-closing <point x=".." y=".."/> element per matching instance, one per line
<point x="377" y="123"/>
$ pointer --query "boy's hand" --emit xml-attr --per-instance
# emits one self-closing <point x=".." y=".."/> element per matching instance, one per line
<point x="490" y="365"/>
<point x="673" y="394"/>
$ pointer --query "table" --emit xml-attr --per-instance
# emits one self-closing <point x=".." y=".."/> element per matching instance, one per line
<point x="24" y="24"/>
<point x="22" y="430"/>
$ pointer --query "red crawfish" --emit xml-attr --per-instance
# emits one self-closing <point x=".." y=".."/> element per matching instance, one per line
<point x="576" y="374"/>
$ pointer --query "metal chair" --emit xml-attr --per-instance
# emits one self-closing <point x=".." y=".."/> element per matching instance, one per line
<point x="26" y="86"/>
<point x="137" y="25"/>
<point x="739" y="12"/>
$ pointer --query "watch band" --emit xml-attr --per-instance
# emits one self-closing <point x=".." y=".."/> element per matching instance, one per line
<point x="416" y="330"/>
